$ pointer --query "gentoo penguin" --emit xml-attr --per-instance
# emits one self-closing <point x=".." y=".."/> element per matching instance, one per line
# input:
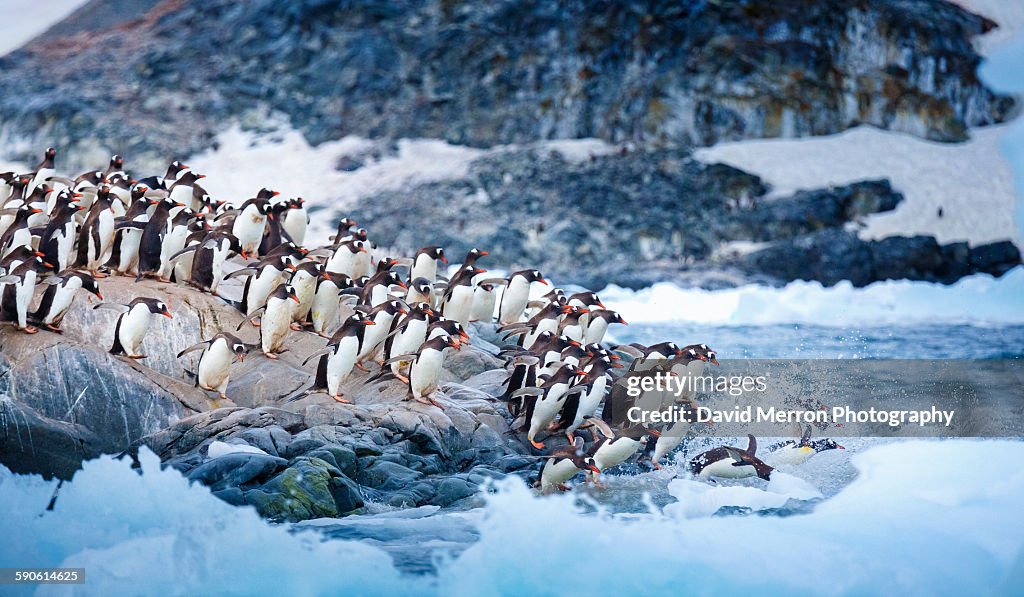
<point x="326" y="301"/>
<point x="209" y="258"/>
<point x="409" y="334"/>
<point x="378" y="288"/>
<point x="614" y="449"/>
<point x="796" y="452"/>
<point x="421" y="290"/>
<point x="571" y="326"/>
<point x="339" y="358"/>
<point x="180" y="227"/>
<point x="544" y="320"/>
<point x="516" y="295"/>
<point x="116" y="166"/>
<point x="183" y="189"/>
<point x="543" y="404"/>
<point x="662" y="350"/>
<point x="457" y="302"/>
<point x="219" y="352"/>
<point x="598" y="324"/>
<point x="384" y="317"/>
<point x="731" y="463"/>
<point x="124" y="255"/>
<point x="424" y="264"/>
<point x="343" y="260"/>
<point x="425" y="371"/>
<point x="261" y="282"/>
<point x="153" y="233"/>
<point x="582" y="405"/>
<point x="691" y="363"/>
<point x="59" y="295"/>
<point x="345" y="226"/>
<point x="16" y="289"/>
<point x="296" y="220"/>
<point x="523" y="375"/>
<point x="274" y="233"/>
<point x="19" y="233"/>
<point x="45" y="169"/>
<point x="174" y="169"/>
<point x="133" y="324"/>
<point x="562" y="465"/>
<point x="39" y="200"/>
<point x="484" y="300"/>
<point x="276" y="320"/>
<point x="251" y="220"/>
<point x="304" y="280"/>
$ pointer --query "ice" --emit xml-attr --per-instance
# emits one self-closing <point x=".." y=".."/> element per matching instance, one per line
<point x="975" y="299"/>
<point x="921" y="517"/>
<point x="219" y="448"/>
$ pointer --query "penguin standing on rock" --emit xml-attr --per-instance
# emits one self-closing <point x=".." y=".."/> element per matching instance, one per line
<point x="133" y="324"/>
<point x="59" y="295"/>
<point x="731" y="463"/>
<point x="296" y="220"/>
<point x="327" y="301"/>
<point x="424" y="264"/>
<point x="212" y="372"/>
<point x="97" y="234"/>
<point x="251" y="220"/>
<point x="57" y="242"/>
<point x="516" y="296"/>
<point x="339" y="358"/>
<point x="542" y="405"/>
<point x="277" y="319"/>
<point x="124" y="256"/>
<point x="16" y="289"/>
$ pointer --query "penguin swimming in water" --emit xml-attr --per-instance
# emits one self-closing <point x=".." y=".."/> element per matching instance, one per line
<point x="562" y="465"/>
<point x="731" y="463"/>
<point x="59" y="295"/>
<point x="212" y="372"/>
<point x="339" y="358"/>
<point x="133" y="324"/>
<point x="796" y="452"/>
<point x="277" y="319"/>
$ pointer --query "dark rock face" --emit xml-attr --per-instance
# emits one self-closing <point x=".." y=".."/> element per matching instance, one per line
<point x="656" y="73"/>
<point x="832" y="256"/>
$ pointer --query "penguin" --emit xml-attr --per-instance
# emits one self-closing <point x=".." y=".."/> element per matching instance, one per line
<point x="425" y="371"/>
<point x="385" y="318"/>
<point x="133" y="323"/>
<point x="326" y="301"/>
<point x="523" y="375"/>
<point x="420" y="290"/>
<point x="516" y="295"/>
<point x="343" y="260"/>
<point x="59" y="295"/>
<point x="582" y="405"/>
<point x="153" y="233"/>
<point x="571" y="326"/>
<point x="183" y="189"/>
<point x="543" y="404"/>
<point x="19" y="233"/>
<point x="562" y="465"/>
<point x="212" y="372"/>
<point x="180" y="228"/>
<point x="662" y="350"/>
<point x="124" y="255"/>
<point x="38" y="199"/>
<point x="424" y="264"/>
<point x="44" y="170"/>
<point x="457" y="302"/>
<point x="614" y="449"/>
<point x="305" y="280"/>
<point x="57" y="240"/>
<point x="251" y="220"/>
<point x="16" y="290"/>
<point x="115" y="166"/>
<point x="731" y="463"/>
<point x="276" y="319"/>
<point x="378" y="288"/>
<point x="339" y="358"/>
<point x="796" y="452"/>
<point x="121" y="193"/>
<point x="274" y="233"/>
<point x="261" y="282"/>
<point x="174" y="169"/>
<point x="598" y="324"/>
<point x="296" y="221"/>
<point x="407" y="335"/>
<point x="544" y="320"/>
<point x="345" y="226"/>
<point x="484" y="300"/>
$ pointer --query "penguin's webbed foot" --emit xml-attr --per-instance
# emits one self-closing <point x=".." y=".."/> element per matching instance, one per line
<point x="562" y="487"/>
<point x="30" y="329"/>
<point x="657" y="466"/>
<point x="402" y="378"/>
<point x="296" y="327"/>
<point x="97" y="274"/>
<point x="538" y="445"/>
<point x="338" y="398"/>
<point x="270" y="355"/>
<point x="136" y="357"/>
<point x="362" y="368"/>
<point x="54" y="328"/>
<point x="256" y="323"/>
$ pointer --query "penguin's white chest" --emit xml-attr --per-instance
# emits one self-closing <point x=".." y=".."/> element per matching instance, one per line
<point x="724" y="469"/>
<point x="596" y="330"/>
<point x="514" y="300"/>
<point x="262" y="284"/>
<point x="63" y="296"/>
<point x="793" y="455"/>
<point x="275" y="323"/>
<point x="547" y="407"/>
<point x="341" y="362"/>
<point x="134" y="325"/>
<point x="425" y="373"/>
<point x="214" y="364"/>
<point x="615" y="452"/>
<point x="557" y="472"/>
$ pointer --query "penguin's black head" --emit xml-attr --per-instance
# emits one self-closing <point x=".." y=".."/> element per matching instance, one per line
<point x="421" y="285"/>
<point x="473" y="255"/>
<point x="423" y="308"/>
<point x="386" y="264"/>
<point x="532" y="275"/>
<point x="266" y="194"/>
<point x="155" y="306"/>
<point x="89" y="285"/>
<point x="50" y="153"/>
<point x="116" y="161"/>
<point x="345" y="225"/>
<point x="434" y="253"/>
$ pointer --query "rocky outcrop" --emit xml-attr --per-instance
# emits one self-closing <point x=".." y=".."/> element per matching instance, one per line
<point x="64" y="399"/>
<point x="657" y="73"/>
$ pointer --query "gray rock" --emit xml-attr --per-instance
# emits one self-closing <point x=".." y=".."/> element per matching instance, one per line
<point x="236" y="469"/>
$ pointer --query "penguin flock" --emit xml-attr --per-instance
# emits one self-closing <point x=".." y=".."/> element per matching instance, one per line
<point x="403" y="314"/>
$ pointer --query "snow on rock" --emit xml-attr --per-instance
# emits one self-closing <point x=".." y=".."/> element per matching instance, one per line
<point x="219" y="448"/>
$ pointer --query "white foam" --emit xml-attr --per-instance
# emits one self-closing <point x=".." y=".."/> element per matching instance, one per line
<point x="25" y="19"/>
<point x="975" y="299"/>
<point x="699" y="499"/>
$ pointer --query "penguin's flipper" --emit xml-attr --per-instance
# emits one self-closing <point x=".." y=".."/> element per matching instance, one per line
<point x="402" y="357"/>
<point x="527" y="392"/>
<point x="751" y="444"/>
<point x="603" y="427"/>
<point x="187" y="249"/>
<point x="62" y="180"/>
<point x="130" y="224"/>
<point x="114" y="306"/>
<point x="245" y="271"/>
<point x="192" y="348"/>
<point x="10" y="279"/>
<point x="348" y="298"/>
<point x="496" y="281"/>
<point x="736" y="456"/>
<point x="255" y="314"/>
<point x="805" y="439"/>
<point x="627" y="349"/>
<point x="318" y="353"/>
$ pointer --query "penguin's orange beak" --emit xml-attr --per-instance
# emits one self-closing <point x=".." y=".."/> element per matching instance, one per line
<point x="275" y="193"/>
<point x="544" y="282"/>
<point x="244" y="255"/>
<point x="443" y="259"/>
<point x="485" y="252"/>
<point x="294" y="298"/>
<point x="617" y="366"/>
<point x="369" y="322"/>
<point x="291" y="267"/>
<point x="600" y="304"/>
<point x="714" y="361"/>
<point x="840" y="447"/>
<point x="34" y="210"/>
<point x="76" y="195"/>
<point x="362" y="249"/>
<point x="480" y="271"/>
<point x="99" y="295"/>
<point x="595" y="469"/>
<point x="39" y="254"/>
<point x="615" y="357"/>
<point x="327" y="276"/>
<point x="402" y="284"/>
<point x="271" y="216"/>
<point x="167" y="314"/>
<point x="200" y="176"/>
<point x="574" y="343"/>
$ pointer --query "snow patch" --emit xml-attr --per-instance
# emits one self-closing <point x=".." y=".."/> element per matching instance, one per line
<point x="975" y="299"/>
<point x="219" y="448"/>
